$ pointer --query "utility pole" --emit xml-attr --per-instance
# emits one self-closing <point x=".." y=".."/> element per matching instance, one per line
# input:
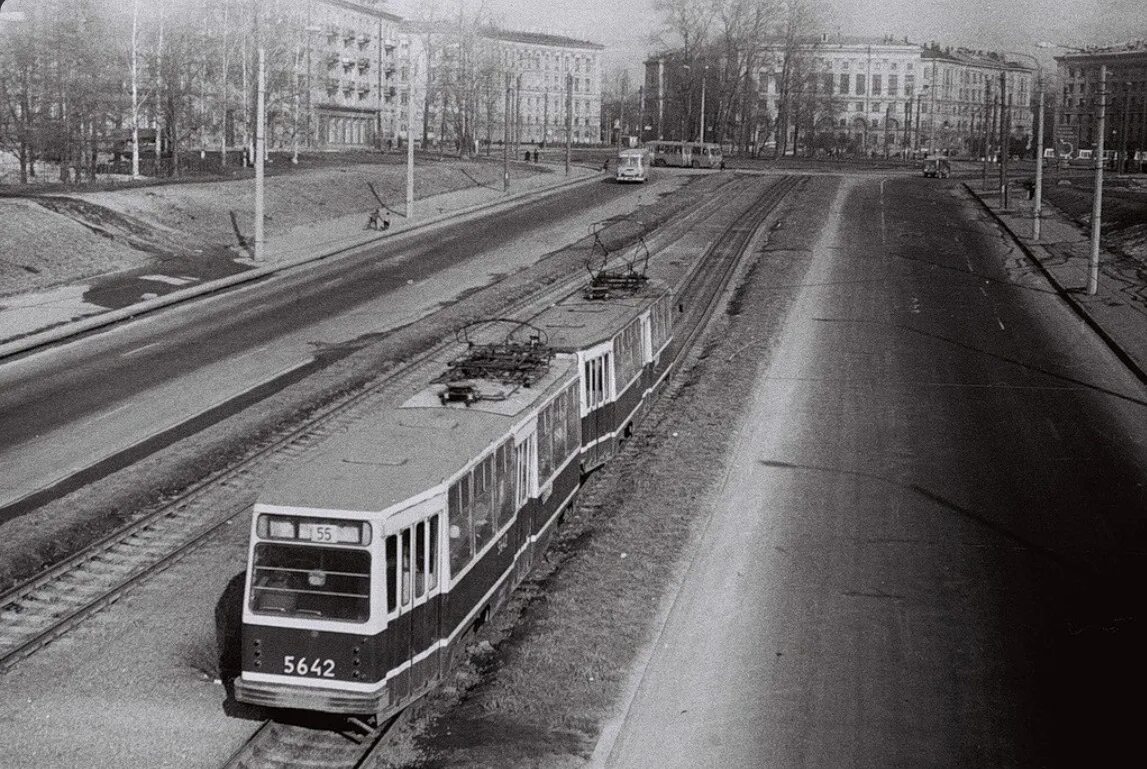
<point x="1037" y="207"/>
<point x="1003" y="139"/>
<point x="410" y="140"/>
<point x="518" y="117"/>
<point x="989" y="108"/>
<point x="569" y="119"/>
<point x="134" y="91"/>
<point x="1097" y="201"/>
<point x="1125" y="108"/>
<point x="704" y="72"/>
<point x="223" y="94"/>
<point x="259" y="139"/>
<point x="506" y="135"/>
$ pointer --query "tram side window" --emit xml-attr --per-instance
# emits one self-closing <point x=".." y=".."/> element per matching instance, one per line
<point x="406" y="567"/>
<point x="523" y="459"/>
<point x="545" y="444"/>
<point x="573" y="420"/>
<point x="661" y="318"/>
<point x="391" y="573"/>
<point x="483" y="502"/>
<point x="507" y="501"/>
<point x="432" y="559"/>
<point x="558" y="426"/>
<point x="461" y="545"/>
<point x="628" y="346"/>
<point x="595" y="381"/>
<point x="420" y="559"/>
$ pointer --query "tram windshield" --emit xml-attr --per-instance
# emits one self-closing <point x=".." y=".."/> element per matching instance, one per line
<point x="314" y="582"/>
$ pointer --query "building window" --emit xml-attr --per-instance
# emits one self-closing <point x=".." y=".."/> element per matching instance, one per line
<point x="876" y="85"/>
<point x="893" y="85"/>
<point x="844" y="84"/>
<point x="860" y="85"/>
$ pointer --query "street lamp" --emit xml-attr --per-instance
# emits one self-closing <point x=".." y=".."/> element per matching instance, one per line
<point x="1097" y="200"/>
<point x="1037" y="207"/>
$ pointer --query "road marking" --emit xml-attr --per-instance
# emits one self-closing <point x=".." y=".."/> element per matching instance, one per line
<point x="167" y="279"/>
<point x="138" y="350"/>
<point x="113" y="412"/>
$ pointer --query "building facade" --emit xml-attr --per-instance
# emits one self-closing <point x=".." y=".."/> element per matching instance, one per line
<point x="965" y="95"/>
<point x="353" y="67"/>
<point x="1126" y="103"/>
<point x="465" y="80"/>
<point x="872" y="96"/>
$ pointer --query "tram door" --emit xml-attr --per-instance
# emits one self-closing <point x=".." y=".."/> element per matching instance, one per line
<point x="597" y="422"/>
<point x="413" y="571"/>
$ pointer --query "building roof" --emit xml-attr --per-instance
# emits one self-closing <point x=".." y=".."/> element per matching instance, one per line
<point x="539" y="38"/>
<point x="969" y="57"/>
<point x="446" y="27"/>
<point x="372" y="7"/>
<point x="1129" y="49"/>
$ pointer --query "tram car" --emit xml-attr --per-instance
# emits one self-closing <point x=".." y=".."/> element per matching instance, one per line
<point x="370" y="562"/>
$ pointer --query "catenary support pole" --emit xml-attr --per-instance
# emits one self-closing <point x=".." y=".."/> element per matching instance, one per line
<point x="1097" y="201"/>
<point x="260" y="119"/>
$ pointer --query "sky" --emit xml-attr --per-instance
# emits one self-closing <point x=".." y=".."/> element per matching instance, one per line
<point x="625" y="26"/>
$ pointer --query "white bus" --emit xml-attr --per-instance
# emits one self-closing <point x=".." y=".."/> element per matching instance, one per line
<point x="686" y="154"/>
<point x="633" y="165"/>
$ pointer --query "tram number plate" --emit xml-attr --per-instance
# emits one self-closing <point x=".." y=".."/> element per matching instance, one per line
<point x="303" y="666"/>
<point x="324" y="533"/>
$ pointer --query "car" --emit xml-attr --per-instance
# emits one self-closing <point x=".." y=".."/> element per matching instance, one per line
<point x="937" y="168"/>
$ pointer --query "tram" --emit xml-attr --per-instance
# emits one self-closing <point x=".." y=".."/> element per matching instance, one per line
<point x="369" y="562"/>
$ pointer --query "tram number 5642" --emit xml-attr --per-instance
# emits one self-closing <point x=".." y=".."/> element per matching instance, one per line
<point x="304" y="667"/>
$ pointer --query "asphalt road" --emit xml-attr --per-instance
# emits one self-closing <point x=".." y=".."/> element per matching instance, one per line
<point x="929" y="547"/>
<point x="77" y="411"/>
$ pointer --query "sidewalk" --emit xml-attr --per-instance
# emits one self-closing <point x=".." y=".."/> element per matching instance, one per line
<point x="1118" y="310"/>
<point x="34" y="318"/>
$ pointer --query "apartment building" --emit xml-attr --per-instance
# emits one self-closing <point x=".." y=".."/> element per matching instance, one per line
<point x="1126" y="103"/>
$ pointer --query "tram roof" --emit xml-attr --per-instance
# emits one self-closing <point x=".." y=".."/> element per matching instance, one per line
<point x="576" y="323"/>
<point x="402" y="452"/>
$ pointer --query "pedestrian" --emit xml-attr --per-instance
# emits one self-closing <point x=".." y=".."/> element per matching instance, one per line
<point x="378" y="220"/>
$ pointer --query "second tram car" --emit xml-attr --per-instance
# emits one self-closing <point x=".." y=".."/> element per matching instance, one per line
<point x="369" y="562"/>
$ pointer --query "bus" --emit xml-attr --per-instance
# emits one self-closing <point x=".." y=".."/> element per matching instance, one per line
<point x="669" y="153"/>
<point x="686" y="154"/>
<point x="633" y="164"/>
<point x="706" y="155"/>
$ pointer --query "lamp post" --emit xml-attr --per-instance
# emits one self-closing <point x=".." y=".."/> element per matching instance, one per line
<point x="1037" y="202"/>
<point x="919" y="107"/>
<point x="704" y="74"/>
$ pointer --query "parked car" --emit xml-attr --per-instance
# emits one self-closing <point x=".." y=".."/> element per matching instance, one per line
<point x="937" y="168"/>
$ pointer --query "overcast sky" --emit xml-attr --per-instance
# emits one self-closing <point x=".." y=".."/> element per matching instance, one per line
<point x="624" y="26"/>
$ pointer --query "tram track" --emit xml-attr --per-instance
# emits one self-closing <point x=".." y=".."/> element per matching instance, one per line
<point x="60" y="598"/>
<point x="45" y="607"/>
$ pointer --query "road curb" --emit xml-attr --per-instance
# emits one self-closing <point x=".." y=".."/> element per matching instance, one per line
<point x="111" y="317"/>
<point x="1064" y="293"/>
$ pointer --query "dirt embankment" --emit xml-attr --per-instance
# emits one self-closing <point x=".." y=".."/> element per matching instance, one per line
<point x="50" y="240"/>
<point x="1124" y="212"/>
